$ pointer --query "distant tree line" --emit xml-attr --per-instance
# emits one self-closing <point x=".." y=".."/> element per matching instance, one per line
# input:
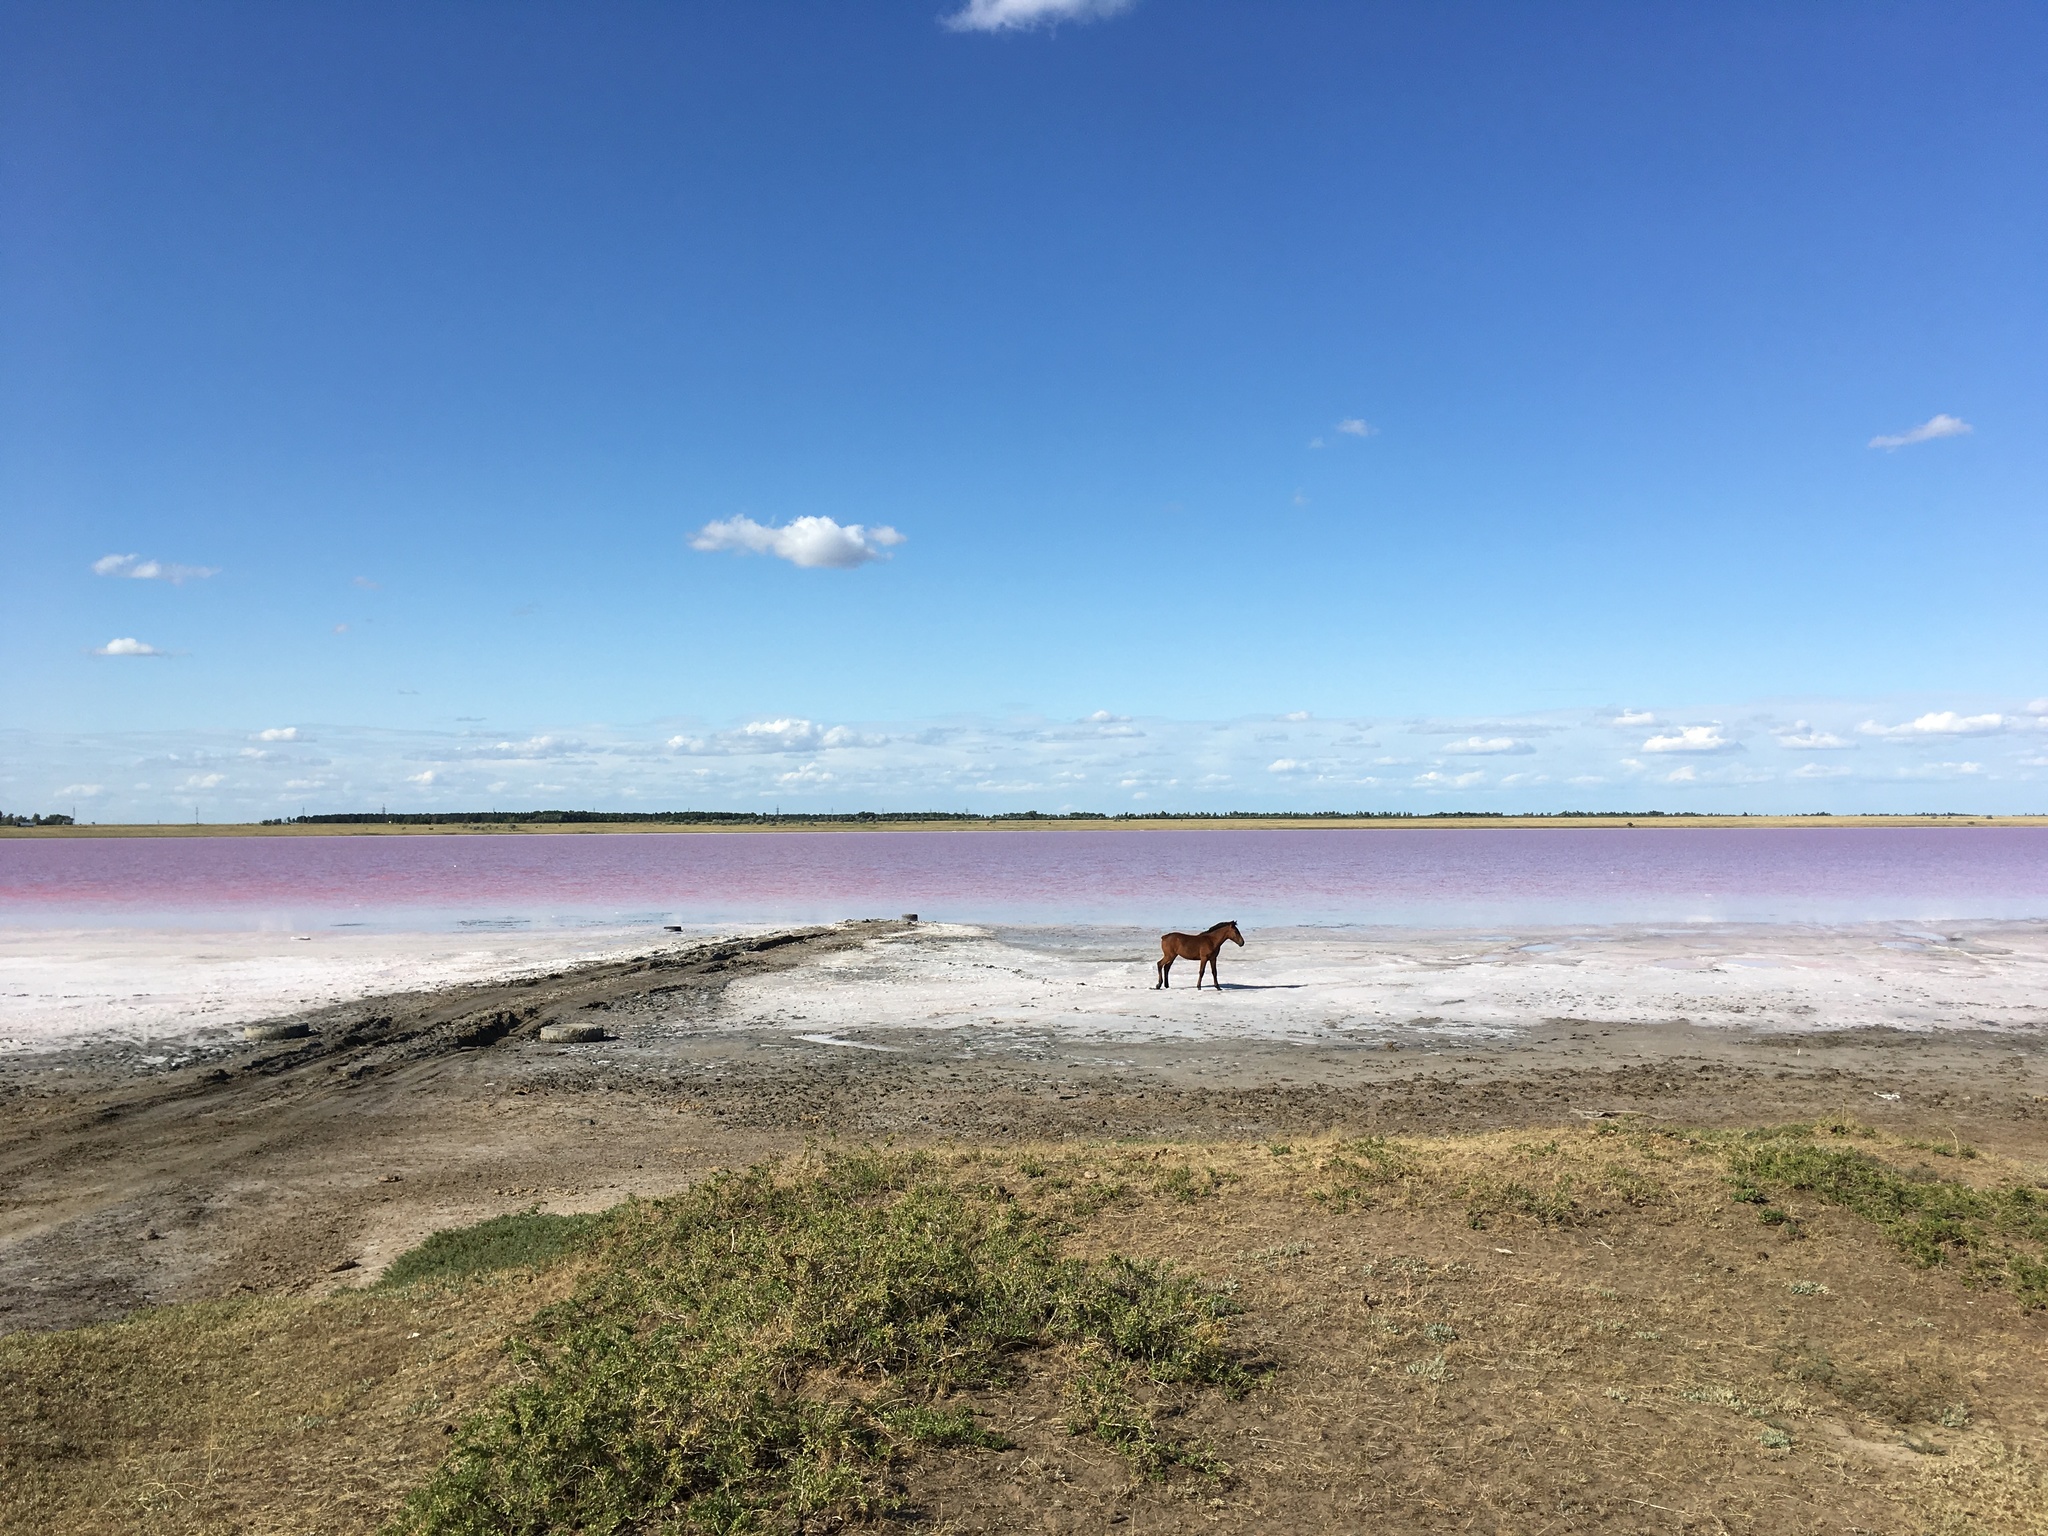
<point x="897" y="818"/>
<point x="10" y="819"/>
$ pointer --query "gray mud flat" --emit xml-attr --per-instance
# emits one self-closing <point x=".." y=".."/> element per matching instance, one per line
<point x="301" y="1164"/>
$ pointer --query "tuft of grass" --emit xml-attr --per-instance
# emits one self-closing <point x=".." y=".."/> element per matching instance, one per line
<point x="1487" y="1197"/>
<point x="1997" y="1236"/>
<point x="754" y="1355"/>
<point x="526" y="1240"/>
<point x="1182" y="1183"/>
<point x="1355" y="1171"/>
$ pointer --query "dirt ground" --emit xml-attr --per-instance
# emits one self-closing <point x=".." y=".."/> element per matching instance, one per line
<point x="1633" y="1368"/>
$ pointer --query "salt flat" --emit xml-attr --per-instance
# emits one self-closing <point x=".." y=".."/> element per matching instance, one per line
<point x="1315" y="984"/>
<point x="69" y="986"/>
<point x="157" y="985"/>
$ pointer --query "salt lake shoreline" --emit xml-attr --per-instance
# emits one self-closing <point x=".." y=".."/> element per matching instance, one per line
<point x="282" y="1165"/>
<point x="160" y="994"/>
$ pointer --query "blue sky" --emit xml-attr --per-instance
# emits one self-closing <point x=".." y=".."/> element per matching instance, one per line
<point x="879" y="404"/>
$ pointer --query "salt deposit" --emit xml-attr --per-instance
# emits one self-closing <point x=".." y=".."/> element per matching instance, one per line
<point x="158" y="985"/>
<point x="1311" y="983"/>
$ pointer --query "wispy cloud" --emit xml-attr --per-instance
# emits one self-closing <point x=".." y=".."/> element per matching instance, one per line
<point x="278" y="733"/>
<point x="1944" y="722"/>
<point x="1632" y="719"/>
<point x="1435" y="780"/>
<point x="1353" y="426"/>
<point x="128" y="645"/>
<point x="532" y="750"/>
<point x="135" y="568"/>
<point x="1692" y="738"/>
<point x="1926" y="432"/>
<point x="1820" y="771"/>
<point x="1018" y="15"/>
<point x="1465" y="727"/>
<point x="781" y="735"/>
<point x="1284" y="765"/>
<point x="811" y="542"/>
<point x="1486" y="746"/>
<point x="1802" y="737"/>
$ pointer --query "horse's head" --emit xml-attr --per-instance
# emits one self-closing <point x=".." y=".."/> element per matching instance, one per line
<point x="1230" y="932"/>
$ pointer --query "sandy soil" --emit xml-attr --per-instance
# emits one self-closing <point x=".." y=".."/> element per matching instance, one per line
<point x="131" y="1176"/>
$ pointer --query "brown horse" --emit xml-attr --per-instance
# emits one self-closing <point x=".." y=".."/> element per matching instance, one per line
<point x="1200" y="947"/>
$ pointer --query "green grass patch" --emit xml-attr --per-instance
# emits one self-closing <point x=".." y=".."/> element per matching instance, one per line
<point x="1354" y="1173"/>
<point x="755" y="1354"/>
<point x="1997" y="1236"/>
<point x="525" y="1240"/>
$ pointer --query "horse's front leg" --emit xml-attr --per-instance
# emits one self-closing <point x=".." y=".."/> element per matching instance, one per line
<point x="1216" y="971"/>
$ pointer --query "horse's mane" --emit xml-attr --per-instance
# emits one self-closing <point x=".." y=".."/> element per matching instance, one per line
<point x="1218" y="927"/>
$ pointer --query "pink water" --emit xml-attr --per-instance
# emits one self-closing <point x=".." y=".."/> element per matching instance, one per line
<point x="1436" y="877"/>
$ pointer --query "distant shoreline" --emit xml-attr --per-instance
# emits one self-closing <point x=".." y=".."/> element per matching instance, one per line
<point x="992" y="824"/>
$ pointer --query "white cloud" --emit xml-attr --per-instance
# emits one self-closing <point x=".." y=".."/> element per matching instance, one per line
<point x="1820" y="771"/>
<point x="426" y="777"/>
<point x="1941" y="723"/>
<point x="1633" y="719"/>
<point x="278" y="733"/>
<point x="1804" y="738"/>
<point x="1685" y="775"/>
<point x="1351" y="426"/>
<point x="1692" y="738"/>
<point x="1435" y="780"/>
<point x="1296" y="715"/>
<point x="1016" y="15"/>
<point x="815" y="543"/>
<point x="1283" y="765"/>
<point x="783" y="735"/>
<point x="138" y="569"/>
<point x="1487" y="746"/>
<point x="81" y="791"/>
<point x="1104" y="717"/>
<point x="206" y="781"/>
<point x="128" y="646"/>
<point x="2038" y="707"/>
<point x="1926" y="432"/>
<point x="788" y="735"/>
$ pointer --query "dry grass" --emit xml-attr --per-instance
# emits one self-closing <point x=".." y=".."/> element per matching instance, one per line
<point x="1570" y="1331"/>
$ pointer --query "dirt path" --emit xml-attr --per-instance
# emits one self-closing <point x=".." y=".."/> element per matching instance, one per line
<point x="287" y="1166"/>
